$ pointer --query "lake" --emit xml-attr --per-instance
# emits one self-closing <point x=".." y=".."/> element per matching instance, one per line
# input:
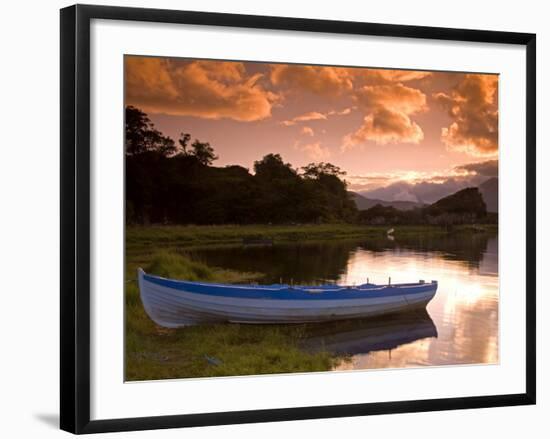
<point x="460" y="325"/>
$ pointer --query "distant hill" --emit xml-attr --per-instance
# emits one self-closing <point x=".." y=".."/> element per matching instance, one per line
<point x="364" y="203"/>
<point x="464" y="202"/>
<point x="489" y="192"/>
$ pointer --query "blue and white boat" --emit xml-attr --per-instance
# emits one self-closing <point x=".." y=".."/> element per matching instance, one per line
<point x="175" y="303"/>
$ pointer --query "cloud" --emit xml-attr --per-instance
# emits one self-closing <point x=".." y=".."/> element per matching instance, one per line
<point x="307" y="131"/>
<point x="385" y="126"/>
<point x="334" y="81"/>
<point x="315" y="115"/>
<point x="395" y="97"/>
<point x="426" y="187"/>
<point x="324" y="81"/>
<point x="387" y="103"/>
<point x="312" y="115"/>
<point x="403" y="75"/>
<point x="314" y="150"/>
<point x="207" y="89"/>
<point x="488" y="168"/>
<point x="381" y="76"/>
<point x="473" y="106"/>
<point x="389" y="108"/>
<point x="343" y="112"/>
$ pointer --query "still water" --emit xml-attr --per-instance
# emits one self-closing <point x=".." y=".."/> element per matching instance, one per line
<point x="459" y="326"/>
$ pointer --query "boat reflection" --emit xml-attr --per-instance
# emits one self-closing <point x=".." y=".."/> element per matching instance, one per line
<point x="364" y="336"/>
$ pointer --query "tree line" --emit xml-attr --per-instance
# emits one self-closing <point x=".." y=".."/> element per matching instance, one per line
<point x="175" y="182"/>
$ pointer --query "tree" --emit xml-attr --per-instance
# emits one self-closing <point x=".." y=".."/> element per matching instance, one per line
<point x="272" y="166"/>
<point x="316" y="170"/>
<point x="136" y="124"/>
<point x="183" y="141"/>
<point x="142" y="136"/>
<point x="203" y="152"/>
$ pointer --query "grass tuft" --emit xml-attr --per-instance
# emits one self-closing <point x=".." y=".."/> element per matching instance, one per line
<point x="177" y="266"/>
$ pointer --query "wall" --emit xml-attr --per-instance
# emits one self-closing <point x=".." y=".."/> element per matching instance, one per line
<point x="29" y="247"/>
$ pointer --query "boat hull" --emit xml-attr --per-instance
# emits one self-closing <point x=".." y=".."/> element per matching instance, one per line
<point x="174" y="304"/>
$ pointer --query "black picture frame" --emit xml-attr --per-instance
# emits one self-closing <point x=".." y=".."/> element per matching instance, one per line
<point x="75" y="217"/>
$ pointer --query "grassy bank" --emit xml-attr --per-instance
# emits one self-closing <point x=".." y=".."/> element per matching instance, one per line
<point x="187" y="236"/>
<point x="153" y="352"/>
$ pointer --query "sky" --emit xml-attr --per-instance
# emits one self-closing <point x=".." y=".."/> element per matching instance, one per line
<point x="398" y="134"/>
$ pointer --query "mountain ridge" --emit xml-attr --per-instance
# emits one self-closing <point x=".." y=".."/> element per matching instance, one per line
<point x="488" y="190"/>
<point x="364" y="203"/>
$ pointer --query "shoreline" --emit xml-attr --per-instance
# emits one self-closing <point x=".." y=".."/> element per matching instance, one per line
<point x="193" y="235"/>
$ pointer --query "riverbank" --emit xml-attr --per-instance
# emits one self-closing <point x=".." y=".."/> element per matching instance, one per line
<point x="187" y="236"/>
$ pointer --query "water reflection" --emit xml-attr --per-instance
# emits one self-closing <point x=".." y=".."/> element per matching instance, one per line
<point x="463" y="314"/>
<point x="465" y="308"/>
<point x="363" y="336"/>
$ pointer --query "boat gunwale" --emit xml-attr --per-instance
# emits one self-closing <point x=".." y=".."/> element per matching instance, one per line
<point x="298" y="292"/>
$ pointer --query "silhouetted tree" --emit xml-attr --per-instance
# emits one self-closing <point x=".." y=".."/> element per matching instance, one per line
<point x="316" y="170"/>
<point x="142" y="136"/>
<point x="203" y="152"/>
<point x="272" y="166"/>
<point x="183" y="141"/>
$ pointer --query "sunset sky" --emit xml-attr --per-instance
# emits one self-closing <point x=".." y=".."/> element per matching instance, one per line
<point x="398" y="134"/>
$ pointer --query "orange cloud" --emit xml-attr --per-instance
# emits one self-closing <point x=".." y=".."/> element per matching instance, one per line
<point x="389" y="108"/>
<point x="336" y="81"/>
<point x="395" y="97"/>
<point x="343" y="112"/>
<point x="385" y="126"/>
<point x="473" y="106"/>
<point x="403" y="75"/>
<point x="312" y="115"/>
<point x="308" y="131"/>
<point x="388" y="103"/>
<point x="315" y="115"/>
<point x="381" y="76"/>
<point x="315" y="151"/>
<point x="207" y="89"/>
<point x="325" y="81"/>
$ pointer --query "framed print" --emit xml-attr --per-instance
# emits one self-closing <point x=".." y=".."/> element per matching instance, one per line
<point x="268" y="218"/>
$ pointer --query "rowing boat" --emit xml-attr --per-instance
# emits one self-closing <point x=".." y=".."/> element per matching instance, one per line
<point x="174" y="303"/>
